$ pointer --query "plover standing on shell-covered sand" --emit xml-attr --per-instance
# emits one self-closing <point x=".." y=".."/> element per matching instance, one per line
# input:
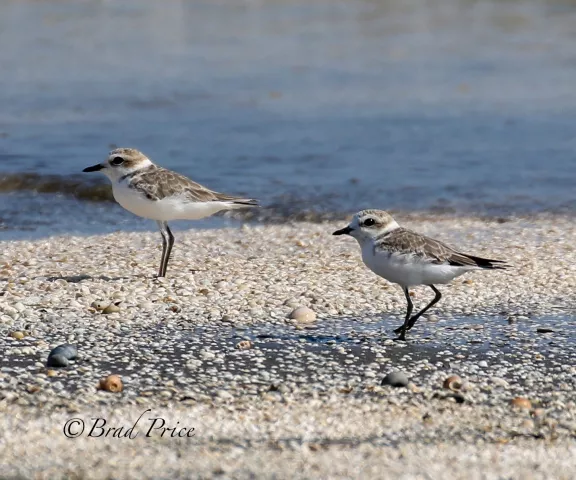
<point x="409" y="259"/>
<point x="150" y="191"/>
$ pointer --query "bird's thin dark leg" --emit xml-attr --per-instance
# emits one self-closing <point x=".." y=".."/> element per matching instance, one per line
<point x="402" y="330"/>
<point x="425" y="309"/>
<point x="162" y="226"/>
<point x="169" y="249"/>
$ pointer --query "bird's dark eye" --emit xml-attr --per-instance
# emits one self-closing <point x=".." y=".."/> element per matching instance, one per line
<point x="369" y="222"/>
<point x="117" y="161"/>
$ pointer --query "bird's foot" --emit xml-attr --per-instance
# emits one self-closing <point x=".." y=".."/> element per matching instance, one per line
<point x="401" y="332"/>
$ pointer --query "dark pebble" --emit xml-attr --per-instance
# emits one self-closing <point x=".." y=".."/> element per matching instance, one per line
<point x="57" y="361"/>
<point x="68" y="351"/>
<point x="395" y="379"/>
<point x="282" y="388"/>
<point x="456" y="396"/>
<point x="544" y="330"/>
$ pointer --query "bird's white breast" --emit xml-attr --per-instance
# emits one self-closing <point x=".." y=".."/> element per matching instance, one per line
<point x="166" y="209"/>
<point x="408" y="270"/>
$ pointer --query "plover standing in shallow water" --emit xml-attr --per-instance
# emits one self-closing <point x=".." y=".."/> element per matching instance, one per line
<point x="408" y="258"/>
<point x="150" y="191"/>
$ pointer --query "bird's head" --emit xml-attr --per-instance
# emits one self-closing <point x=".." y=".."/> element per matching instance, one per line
<point x="120" y="162"/>
<point x="368" y="224"/>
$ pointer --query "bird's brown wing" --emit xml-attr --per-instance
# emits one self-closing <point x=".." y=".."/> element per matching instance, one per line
<point x="407" y="242"/>
<point x="159" y="183"/>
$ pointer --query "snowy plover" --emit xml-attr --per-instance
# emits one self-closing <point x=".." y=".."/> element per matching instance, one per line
<point x="150" y="191"/>
<point x="408" y="258"/>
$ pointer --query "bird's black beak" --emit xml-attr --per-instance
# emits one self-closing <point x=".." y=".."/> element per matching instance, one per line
<point x="94" y="168"/>
<point x="343" y="231"/>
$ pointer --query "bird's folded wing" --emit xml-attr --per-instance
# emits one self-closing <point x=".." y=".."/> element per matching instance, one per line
<point x="161" y="183"/>
<point x="406" y="242"/>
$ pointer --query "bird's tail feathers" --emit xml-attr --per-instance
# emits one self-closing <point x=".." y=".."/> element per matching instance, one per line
<point x="243" y="202"/>
<point x="488" y="263"/>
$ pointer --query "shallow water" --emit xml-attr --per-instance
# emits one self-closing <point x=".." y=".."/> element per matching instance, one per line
<point x="318" y="106"/>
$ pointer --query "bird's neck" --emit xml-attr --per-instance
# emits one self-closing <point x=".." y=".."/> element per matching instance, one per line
<point x="369" y="240"/>
<point x="388" y="229"/>
<point x="142" y="168"/>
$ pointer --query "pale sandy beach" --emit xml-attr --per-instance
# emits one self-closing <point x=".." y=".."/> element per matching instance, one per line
<point x="306" y="400"/>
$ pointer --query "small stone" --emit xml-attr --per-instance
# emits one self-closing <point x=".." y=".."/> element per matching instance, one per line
<point x="112" y="383"/>
<point x="458" y="397"/>
<point x="224" y="395"/>
<point x="538" y="413"/>
<point x="453" y="382"/>
<point x="500" y="382"/>
<point x="207" y="355"/>
<point x="51" y="373"/>
<point x="279" y="387"/>
<point x="111" y="309"/>
<point x="395" y="379"/>
<point x="66" y="350"/>
<point x="570" y="426"/>
<point x="521" y="402"/>
<point x="291" y="302"/>
<point x="99" y="305"/>
<point x="57" y="361"/>
<point x="303" y="315"/>
<point x="528" y="424"/>
<point x="483" y="364"/>
<point x="544" y="330"/>
<point x="33" y="388"/>
<point x="414" y="388"/>
<point x="244" y="345"/>
<point x="17" y="335"/>
<point x="283" y="388"/>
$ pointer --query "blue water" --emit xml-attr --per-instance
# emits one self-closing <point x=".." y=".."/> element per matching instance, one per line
<point x="316" y="106"/>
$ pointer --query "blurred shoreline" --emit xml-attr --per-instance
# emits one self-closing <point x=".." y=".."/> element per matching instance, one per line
<point x="36" y="205"/>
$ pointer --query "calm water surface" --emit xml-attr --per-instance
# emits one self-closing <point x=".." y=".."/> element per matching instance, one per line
<point x="317" y="106"/>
